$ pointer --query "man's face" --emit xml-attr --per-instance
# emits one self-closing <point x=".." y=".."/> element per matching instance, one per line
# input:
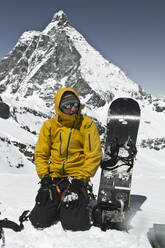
<point x="70" y="108"/>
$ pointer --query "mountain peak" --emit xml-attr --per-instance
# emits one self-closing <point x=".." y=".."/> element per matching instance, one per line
<point x="60" y="18"/>
<point x="59" y="21"/>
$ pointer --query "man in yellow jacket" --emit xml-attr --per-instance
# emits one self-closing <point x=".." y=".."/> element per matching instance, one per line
<point x="69" y="144"/>
<point x="67" y="155"/>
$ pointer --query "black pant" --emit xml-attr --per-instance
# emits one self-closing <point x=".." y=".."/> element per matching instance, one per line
<point x="59" y="202"/>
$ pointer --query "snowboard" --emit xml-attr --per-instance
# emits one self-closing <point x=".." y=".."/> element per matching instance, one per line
<point x="113" y="201"/>
<point x="156" y="236"/>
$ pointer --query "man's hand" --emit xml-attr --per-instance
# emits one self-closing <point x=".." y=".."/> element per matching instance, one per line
<point x="77" y="185"/>
<point x="46" y="181"/>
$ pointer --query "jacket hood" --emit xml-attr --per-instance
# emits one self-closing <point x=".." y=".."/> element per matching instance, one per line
<point x="68" y="120"/>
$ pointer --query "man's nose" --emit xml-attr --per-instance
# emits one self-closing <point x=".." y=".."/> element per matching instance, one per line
<point x="73" y="107"/>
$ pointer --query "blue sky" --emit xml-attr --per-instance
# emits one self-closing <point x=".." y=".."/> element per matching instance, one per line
<point x="129" y="33"/>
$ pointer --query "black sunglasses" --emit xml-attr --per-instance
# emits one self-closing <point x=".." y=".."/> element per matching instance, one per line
<point x="70" y="105"/>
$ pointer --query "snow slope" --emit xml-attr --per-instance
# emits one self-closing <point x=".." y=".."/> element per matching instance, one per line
<point x="17" y="193"/>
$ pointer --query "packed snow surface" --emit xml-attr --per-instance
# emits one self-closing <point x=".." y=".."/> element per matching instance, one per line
<point x="18" y="193"/>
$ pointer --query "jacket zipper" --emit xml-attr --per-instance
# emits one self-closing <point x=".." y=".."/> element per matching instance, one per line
<point x="89" y="139"/>
<point x="67" y="151"/>
<point x="60" y="144"/>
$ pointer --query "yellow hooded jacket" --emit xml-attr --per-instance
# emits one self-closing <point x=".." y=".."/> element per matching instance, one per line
<point x="68" y="145"/>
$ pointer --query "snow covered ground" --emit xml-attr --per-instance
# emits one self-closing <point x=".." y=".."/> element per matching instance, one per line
<point x="17" y="193"/>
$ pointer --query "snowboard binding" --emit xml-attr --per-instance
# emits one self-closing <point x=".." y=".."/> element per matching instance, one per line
<point x="109" y="215"/>
<point x="125" y="153"/>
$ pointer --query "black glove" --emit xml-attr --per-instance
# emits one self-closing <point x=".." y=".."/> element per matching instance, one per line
<point x="76" y="185"/>
<point x="24" y="216"/>
<point x="46" y="181"/>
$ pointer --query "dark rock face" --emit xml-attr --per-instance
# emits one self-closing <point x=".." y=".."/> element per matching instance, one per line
<point x="61" y="19"/>
<point x="4" y="110"/>
<point x="96" y="100"/>
<point x="159" y="107"/>
<point x="156" y="144"/>
<point x="25" y="149"/>
<point x="82" y="87"/>
<point x="67" y="57"/>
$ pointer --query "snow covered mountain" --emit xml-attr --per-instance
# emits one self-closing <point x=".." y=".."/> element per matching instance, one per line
<point x="39" y="65"/>
<point x="59" y="56"/>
